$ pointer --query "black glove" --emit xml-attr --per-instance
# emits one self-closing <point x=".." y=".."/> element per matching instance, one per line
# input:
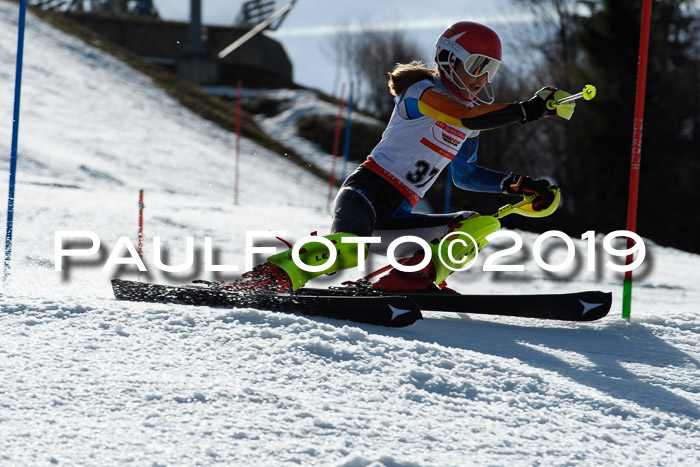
<point x="521" y="185"/>
<point x="536" y="108"/>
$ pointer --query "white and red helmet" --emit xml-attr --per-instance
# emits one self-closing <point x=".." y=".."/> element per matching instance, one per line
<point x="473" y="46"/>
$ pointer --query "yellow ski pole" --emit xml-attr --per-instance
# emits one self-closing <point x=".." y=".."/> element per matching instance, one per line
<point x="587" y="94"/>
<point x="524" y="207"/>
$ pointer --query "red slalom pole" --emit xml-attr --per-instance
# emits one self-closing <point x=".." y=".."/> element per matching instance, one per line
<point x="636" y="151"/>
<point x="239" y="92"/>
<point x="336" y="144"/>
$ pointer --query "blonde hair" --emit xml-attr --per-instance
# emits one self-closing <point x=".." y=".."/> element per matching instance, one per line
<point x="406" y="74"/>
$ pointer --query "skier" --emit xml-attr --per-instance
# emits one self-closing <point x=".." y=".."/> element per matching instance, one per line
<point x="436" y="121"/>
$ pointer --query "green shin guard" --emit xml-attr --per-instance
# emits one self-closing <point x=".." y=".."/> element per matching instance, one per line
<point x="315" y="254"/>
<point x="462" y="248"/>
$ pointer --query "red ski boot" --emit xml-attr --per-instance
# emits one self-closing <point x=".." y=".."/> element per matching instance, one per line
<point x="401" y="281"/>
<point x="265" y="277"/>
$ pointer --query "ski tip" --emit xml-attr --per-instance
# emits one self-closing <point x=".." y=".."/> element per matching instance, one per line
<point x="594" y="305"/>
<point x="403" y="313"/>
<point x="406" y="319"/>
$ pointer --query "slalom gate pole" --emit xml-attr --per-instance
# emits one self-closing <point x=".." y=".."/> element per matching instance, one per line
<point x="140" y="238"/>
<point x="346" y="150"/>
<point x="448" y="188"/>
<point x="636" y="150"/>
<point x="15" y="136"/>
<point x="239" y="93"/>
<point x="336" y="143"/>
<point x="141" y="206"/>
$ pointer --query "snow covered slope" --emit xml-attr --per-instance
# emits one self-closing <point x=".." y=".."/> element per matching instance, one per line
<point x="86" y="380"/>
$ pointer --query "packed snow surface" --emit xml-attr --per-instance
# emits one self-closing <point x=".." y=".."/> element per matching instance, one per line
<point x="88" y="380"/>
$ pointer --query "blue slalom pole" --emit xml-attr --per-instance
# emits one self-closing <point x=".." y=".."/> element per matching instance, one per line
<point x="346" y="149"/>
<point x="15" y="131"/>
<point x="448" y="188"/>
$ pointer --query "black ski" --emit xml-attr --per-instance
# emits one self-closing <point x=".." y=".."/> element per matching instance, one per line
<point x="577" y="306"/>
<point x="366" y="305"/>
<point x="389" y="310"/>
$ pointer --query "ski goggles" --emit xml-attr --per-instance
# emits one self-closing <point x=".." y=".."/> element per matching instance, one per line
<point x="477" y="65"/>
